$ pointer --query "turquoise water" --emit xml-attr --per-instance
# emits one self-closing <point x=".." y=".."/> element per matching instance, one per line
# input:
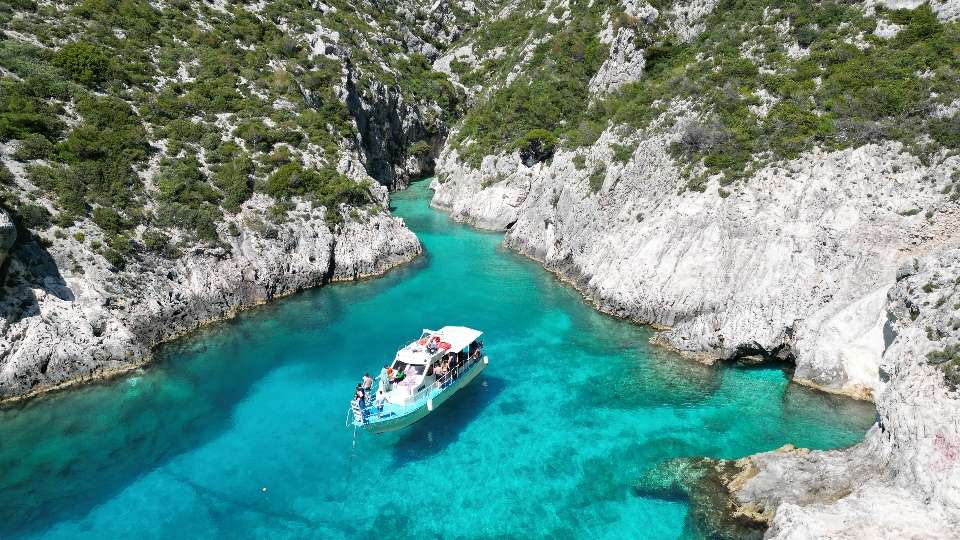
<point x="546" y="443"/>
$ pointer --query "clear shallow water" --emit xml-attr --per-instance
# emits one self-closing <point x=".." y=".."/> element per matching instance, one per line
<point x="548" y="442"/>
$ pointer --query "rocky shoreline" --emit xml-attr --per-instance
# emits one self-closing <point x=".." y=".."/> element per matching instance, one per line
<point x="861" y="300"/>
<point x="68" y="323"/>
<point x="793" y="264"/>
<point x="901" y="481"/>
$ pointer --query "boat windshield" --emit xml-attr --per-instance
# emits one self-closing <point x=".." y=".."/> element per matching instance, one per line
<point x="414" y="369"/>
<point x="409" y="369"/>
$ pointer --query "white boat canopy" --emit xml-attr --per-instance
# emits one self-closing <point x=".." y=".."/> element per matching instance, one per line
<point x="457" y="336"/>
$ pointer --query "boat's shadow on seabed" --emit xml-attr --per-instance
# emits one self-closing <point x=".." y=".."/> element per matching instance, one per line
<point x="439" y="429"/>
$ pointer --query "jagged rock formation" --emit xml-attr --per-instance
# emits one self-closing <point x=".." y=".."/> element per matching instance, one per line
<point x="205" y="183"/>
<point x="902" y="481"/>
<point x="795" y="262"/>
<point x="625" y="62"/>
<point x="739" y="249"/>
<point x="69" y="317"/>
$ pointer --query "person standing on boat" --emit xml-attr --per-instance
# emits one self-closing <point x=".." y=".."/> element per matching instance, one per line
<point x="361" y="402"/>
<point x="367" y="384"/>
<point x="385" y="374"/>
<point x="381" y="397"/>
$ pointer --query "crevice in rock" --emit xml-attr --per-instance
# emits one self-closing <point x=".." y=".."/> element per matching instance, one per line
<point x="752" y="353"/>
<point x="388" y="128"/>
<point x="331" y="270"/>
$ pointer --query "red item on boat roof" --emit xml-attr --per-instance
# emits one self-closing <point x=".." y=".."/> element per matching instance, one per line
<point x="444" y="345"/>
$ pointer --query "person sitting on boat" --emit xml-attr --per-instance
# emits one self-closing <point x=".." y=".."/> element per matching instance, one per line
<point x="447" y="368"/>
<point x="398" y="376"/>
<point x="438" y="370"/>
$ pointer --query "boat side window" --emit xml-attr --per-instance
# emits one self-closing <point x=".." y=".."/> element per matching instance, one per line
<point x="399" y="366"/>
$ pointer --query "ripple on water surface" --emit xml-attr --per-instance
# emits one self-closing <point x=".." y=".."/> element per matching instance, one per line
<point x="548" y="442"/>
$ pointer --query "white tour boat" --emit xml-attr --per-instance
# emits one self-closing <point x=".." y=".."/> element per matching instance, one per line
<point x="422" y="376"/>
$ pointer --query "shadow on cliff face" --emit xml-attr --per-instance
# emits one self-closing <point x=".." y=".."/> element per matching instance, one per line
<point x="442" y="428"/>
<point x="388" y="128"/>
<point x="28" y="267"/>
<point x="115" y="431"/>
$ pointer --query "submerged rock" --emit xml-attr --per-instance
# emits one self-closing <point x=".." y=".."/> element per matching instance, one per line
<point x="709" y="485"/>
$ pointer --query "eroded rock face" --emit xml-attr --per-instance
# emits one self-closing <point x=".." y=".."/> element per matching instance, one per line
<point x="904" y="479"/>
<point x="69" y="317"/>
<point x="795" y="262"/>
<point x="626" y="61"/>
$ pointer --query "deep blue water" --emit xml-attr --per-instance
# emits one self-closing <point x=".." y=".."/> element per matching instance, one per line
<point x="547" y="443"/>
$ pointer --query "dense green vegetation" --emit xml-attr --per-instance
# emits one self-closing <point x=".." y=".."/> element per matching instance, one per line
<point x="553" y="89"/>
<point x="223" y="102"/>
<point x="838" y="96"/>
<point x="758" y="103"/>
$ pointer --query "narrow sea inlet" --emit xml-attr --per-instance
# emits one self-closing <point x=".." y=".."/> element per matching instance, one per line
<point x="239" y="432"/>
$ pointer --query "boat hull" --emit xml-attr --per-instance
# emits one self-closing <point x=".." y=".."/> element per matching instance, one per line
<point x="400" y="422"/>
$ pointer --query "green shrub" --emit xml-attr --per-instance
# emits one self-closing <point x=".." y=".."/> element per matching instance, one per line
<point x="596" y="179"/>
<point x="579" y="162"/>
<point x="83" y="62"/>
<point x="6" y="177"/>
<point x="324" y="186"/>
<point x="201" y="220"/>
<point x="115" y="258"/>
<point x="792" y="128"/>
<point x="33" y="146"/>
<point x="155" y="241"/>
<point x="419" y="148"/>
<point x="536" y="145"/>
<point x="622" y="152"/>
<point x="122" y="244"/>
<point x="233" y="178"/>
<point x="23" y="113"/>
<point x="34" y="216"/>
<point x="946" y="131"/>
<point x="108" y="220"/>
